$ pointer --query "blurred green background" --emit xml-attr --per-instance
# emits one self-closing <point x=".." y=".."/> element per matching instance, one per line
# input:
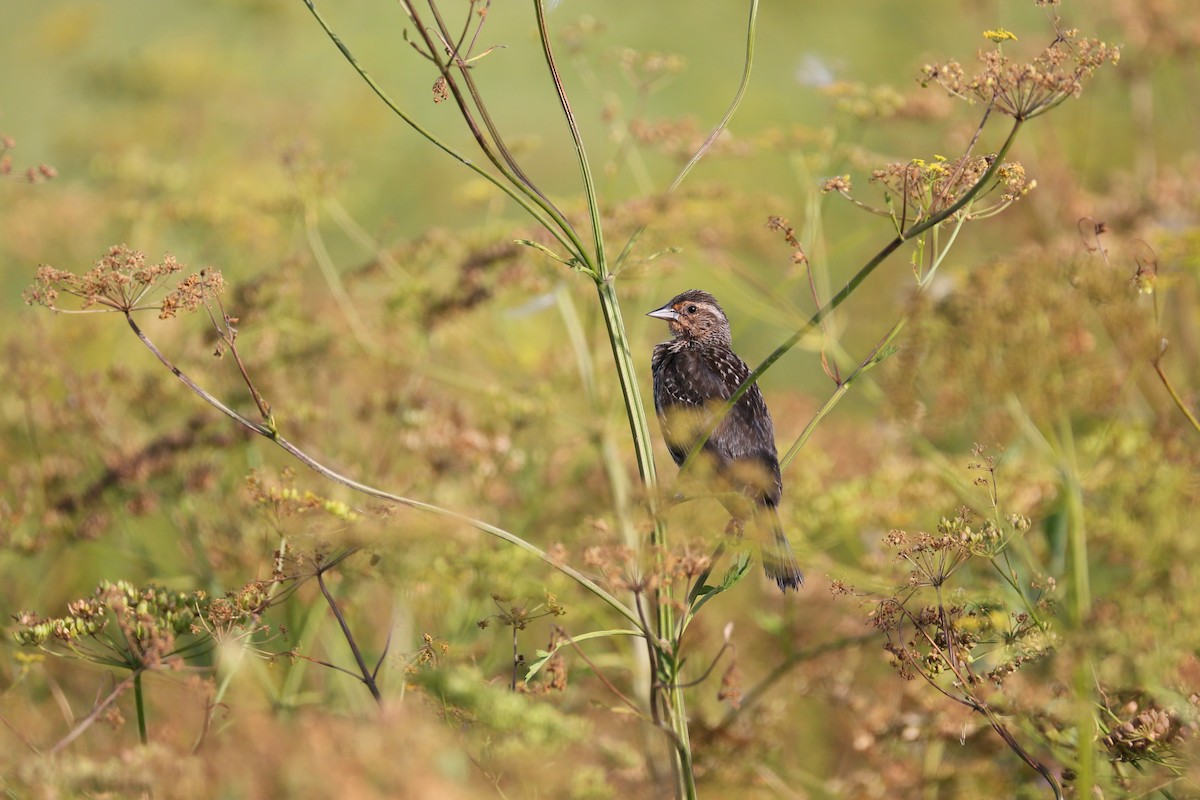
<point x="402" y="339"/>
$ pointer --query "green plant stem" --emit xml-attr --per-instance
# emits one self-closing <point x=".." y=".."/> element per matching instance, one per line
<point x="1081" y="602"/>
<point x="871" y="360"/>
<point x="850" y="288"/>
<point x="639" y="426"/>
<point x="1005" y="574"/>
<point x="664" y="623"/>
<point x="320" y="254"/>
<point x="743" y="84"/>
<point x="631" y="393"/>
<point x="533" y="204"/>
<point x="140" y="702"/>
<point x="269" y="432"/>
<point x="503" y="162"/>
<point x="672" y="694"/>
<point x="365" y="674"/>
<point x="456" y="58"/>
<point x="585" y="169"/>
<point x="1182" y="406"/>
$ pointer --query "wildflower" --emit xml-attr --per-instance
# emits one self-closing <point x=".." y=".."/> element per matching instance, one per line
<point x="1000" y="35"/>
<point x="1025" y="90"/>
<point x="121" y="281"/>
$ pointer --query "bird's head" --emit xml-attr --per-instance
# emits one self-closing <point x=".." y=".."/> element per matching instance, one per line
<point x="696" y="316"/>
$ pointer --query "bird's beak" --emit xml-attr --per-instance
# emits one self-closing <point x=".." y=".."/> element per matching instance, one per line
<point x="666" y="312"/>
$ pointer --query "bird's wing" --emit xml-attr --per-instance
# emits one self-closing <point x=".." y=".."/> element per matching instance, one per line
<point x="685" y="378"/>
<point x="684" y="388"/>
<point x="746" y="435"/>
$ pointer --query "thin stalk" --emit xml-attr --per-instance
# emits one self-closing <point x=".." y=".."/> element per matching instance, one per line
<point x="966" y="678"/>
<point x="870" y="361"/>
<point x="140" y="701"/>
<point x="269" y="432"/>
<point x="849" y="289"/>
<point x="671" y="695"/>
<point x="465" y="70"/>
<point x="614" y="466"/>
<point x="516" y="660"/>
<point x="366" y="676"/>
<point x="635" y="410"/>
<point x="743" y="84"/>
<point x="1179" y="403"/>
<point x="320" y="253"/>
<point x="1079" y="598"/>
<point x="96" y="711"/>
<point x="508" y="166"/>
<point x="534" y="207"/>
<point x="1006" y="575"/>
<point x="639" y="428"/>
<point x="1081" y="602"/>
<point x="585" y="170"/>
<point x="1081" y="594"/>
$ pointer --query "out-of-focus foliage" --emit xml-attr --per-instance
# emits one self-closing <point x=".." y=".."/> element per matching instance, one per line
<point x="398" y="332"/>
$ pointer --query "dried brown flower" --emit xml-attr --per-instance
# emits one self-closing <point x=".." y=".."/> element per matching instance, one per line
<point x="1145" y="731"/>
<point x="1025" y="90"/>
<point x="927" y="188"/>
<point x="838" y="183"/>
<point x="121" y="281"/>
<point x="39" y="174"/>
<point x="440" y="91"/>
<point x="731" y="686"/>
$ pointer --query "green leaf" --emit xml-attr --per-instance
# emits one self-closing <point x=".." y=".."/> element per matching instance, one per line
<point x="737" y="570"/>
<point x="573" y="263"/>
<point x="543" y="656"/>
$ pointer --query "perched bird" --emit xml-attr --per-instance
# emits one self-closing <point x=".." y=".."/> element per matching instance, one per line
<point x="694" y="374"/>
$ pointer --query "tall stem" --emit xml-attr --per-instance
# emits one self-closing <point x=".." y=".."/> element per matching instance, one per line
<point x="585" y="169"/>
<point x="141" y="706"/>
<point x="664" y="616"/>
<point x="1081" y="605"/>
<point x="533" y="203"/>
<point x="365" y="673"/>
<point x="271" y="433"/>
<point x="852" y="286"/>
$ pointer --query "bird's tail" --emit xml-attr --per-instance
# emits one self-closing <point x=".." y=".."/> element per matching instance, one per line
<point x="778" y="558"/>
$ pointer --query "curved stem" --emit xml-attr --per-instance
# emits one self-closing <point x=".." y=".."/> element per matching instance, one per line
<point x="1179" y="403"/>
<point x="534" y="208"/>
<point x="365" y="674"/>
<point x="849" y="289"/>
<point x="371" y="491"/>
<point x="751" y="29"/>
<point x="871" y="360"/>
<point x="585" y="170"/>
<point x="504" y="162"/>
<point x="457" y="59"/>
<point x="96" y="711"/>
<point x="141" y="706"/>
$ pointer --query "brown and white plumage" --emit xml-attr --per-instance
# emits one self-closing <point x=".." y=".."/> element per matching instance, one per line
<point x="694" y="374"/>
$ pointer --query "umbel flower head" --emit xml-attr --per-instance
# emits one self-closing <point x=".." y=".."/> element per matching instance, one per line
<point x="926" y="188"/>
<point x="1025" y="90"/>
<point x="121" y="281"/>
<point x="148" y="618"/>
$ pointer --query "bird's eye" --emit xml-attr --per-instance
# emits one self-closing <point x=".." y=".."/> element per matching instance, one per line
<point x="692" y="309"/>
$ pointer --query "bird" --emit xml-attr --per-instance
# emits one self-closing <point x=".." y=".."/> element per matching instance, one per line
<point x="695" y="373"/>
